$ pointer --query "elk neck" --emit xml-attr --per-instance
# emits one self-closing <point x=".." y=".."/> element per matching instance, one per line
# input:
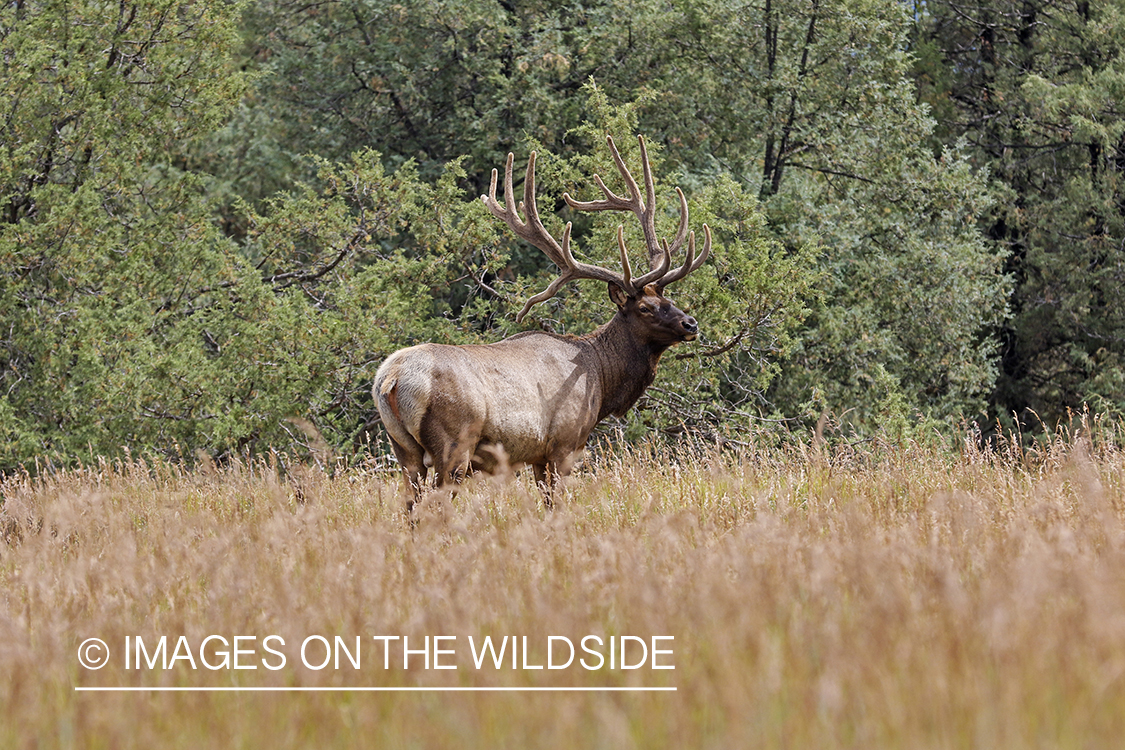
<point x="626" y="363"/>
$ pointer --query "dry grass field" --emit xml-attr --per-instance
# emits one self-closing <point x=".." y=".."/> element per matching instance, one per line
<point x="907" y="597"/>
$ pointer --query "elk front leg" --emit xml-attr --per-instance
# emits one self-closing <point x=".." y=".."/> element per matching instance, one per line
<point x="547" y="479"/>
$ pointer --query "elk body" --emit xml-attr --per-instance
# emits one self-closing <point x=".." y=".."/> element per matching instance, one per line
<point x="533" y="398"/>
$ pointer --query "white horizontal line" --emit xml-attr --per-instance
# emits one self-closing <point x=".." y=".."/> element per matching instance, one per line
<point x="372" y="689"/>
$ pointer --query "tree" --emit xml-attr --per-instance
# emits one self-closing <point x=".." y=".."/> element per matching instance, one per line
<point x="94" y="96"/>
<point x="429" y="80"/>
<point x="1035" y="87"/>
<point x="814" y="109"/>
<point x="130" y="320"/>
<point x="180" y="274"/>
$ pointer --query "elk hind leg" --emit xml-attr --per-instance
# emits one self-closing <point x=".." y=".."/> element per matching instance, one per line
<point x="452" y="454"/>
<point x="411" y="457"/>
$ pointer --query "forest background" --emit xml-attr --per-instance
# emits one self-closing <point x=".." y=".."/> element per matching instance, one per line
<point x="217" y="218"/>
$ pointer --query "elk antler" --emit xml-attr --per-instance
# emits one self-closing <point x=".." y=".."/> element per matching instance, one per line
<point x="537" y="235"/>
<point x="659" y="253"/>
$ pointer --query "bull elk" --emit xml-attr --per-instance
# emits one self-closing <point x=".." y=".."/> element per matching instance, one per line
<point x="535" y="397"/>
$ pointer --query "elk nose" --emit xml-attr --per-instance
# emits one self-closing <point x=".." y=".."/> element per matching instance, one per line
<point x="689" y="324"/>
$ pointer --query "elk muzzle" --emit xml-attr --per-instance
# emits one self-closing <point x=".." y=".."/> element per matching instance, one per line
<point x="690" y="328"/>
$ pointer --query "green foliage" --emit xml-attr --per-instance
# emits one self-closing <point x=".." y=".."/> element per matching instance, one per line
<point x="1036" y="89"/>
<point x="806" y="104"/>
<point x="810" y="105"/>
<point x="378" y="256"/>
<point x="429" y="80"/>
<point x="91" y="88"/>
<point x="217" y="218"/>
<point x="912" y="292"/>
<point x="99" y="235"/>
<point x="131" y="322"/>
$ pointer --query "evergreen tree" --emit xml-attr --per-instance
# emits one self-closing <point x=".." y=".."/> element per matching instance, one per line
<point x="130" y="320"/>
<point x="810" y="103"/>
<point x="1036" y="89"/>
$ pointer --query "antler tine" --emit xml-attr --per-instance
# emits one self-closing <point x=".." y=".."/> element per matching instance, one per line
<point x="546" y="294"/>
<point x="491" y="189"/>
<point x="644" y="208"/>
<point x="554" y="251"/>
<point x="691" y="263"/>
<point x="613" y="201"/>
<point x="507" y="212"/>
<point x="566" y="264"/>
<point x="572" y="270"/>
<point x="681" y="233"/>
<point x="634" y="194"/>
<point x="648" y="219"/>
<point x="624" y="256"/>
<point x="509" y="194"/>
<point x="661" y="267"/>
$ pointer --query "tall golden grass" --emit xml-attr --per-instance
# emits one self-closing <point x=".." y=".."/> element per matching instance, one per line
<point x="875" y="597"/>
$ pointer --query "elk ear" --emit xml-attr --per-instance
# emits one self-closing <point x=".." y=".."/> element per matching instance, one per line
<point x="618" y="295"/>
